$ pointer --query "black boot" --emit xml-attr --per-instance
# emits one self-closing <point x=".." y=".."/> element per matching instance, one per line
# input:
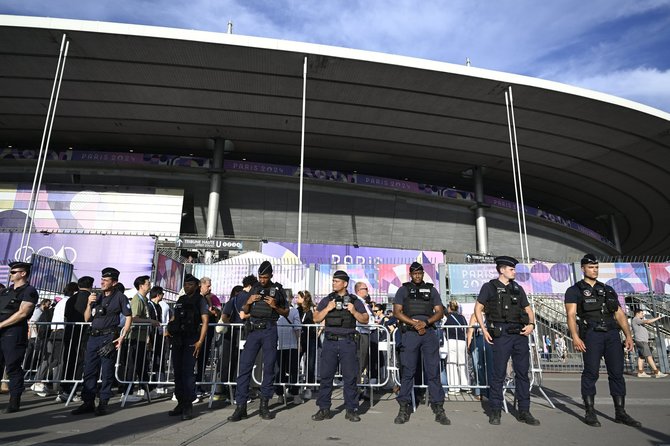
<point x="590" y="418"/>
<point x="101" y="410"/>
<point x="352" y="415"/>
<point x="322" y="414"/>
<point x="14" y="404"/>
<point x="265" y="411"/>
<point x="239" y="414"/>
<point x="178" y="410"/>
<point x="526" y="417"/>
<point x="86" y="407"/>
<point x="187" y="412"/>
<point x="403" y="414"/>
<point x="440" y="416"/>
<point x="620" y="415"/>
<point x="494" y="418"/>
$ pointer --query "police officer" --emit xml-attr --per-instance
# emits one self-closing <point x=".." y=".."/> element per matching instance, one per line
<point x="104" y="310"/>
<point x="418" y="306"/>
<point x="509" y="322"/>
<point x="16" y="306"/>
<point x="265" y="302"/>
<point x="340" y="310"/>
<point x="187" y="331"/>
<point x="597" y="335"/>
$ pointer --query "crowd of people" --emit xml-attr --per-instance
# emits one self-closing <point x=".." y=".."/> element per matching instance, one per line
<point x="297" y="343"/>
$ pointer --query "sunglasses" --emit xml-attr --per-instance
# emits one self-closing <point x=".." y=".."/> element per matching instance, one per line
<point x="14" y="272"/>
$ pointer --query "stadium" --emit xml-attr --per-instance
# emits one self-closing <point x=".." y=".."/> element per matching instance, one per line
<point x="169" y="151"/>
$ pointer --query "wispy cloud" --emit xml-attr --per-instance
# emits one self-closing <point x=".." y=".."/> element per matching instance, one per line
<point x="615" y="46"/>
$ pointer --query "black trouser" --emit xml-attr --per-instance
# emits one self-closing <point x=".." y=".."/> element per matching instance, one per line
<point x="13" y="343"/>
<point x="287" y="370"/>
<point x="74" y="350"/>
<point x="203" y="359"/>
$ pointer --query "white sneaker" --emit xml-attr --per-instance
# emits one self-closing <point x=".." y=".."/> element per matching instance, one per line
<point x="660" y="374"/>
<point x="174" y="397"/>
<point x="196" y="400"/>
<point x="307" y="394"/>
<point x="643" y="375"/>
<point x="297" y="400"/>
<point x="38" y="387"/>
<point x="133" y="398"/>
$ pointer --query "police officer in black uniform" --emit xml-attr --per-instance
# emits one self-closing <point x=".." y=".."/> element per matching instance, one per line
<point x="187" y="331"/>
<point x="341" y="310"/>
<point x="597" y="335"/>
<point x="418" y="307"/>
<point x="509" y="322"/>
<point x="265" y="302"/>
<point x="16" y="306"/>
<point x="104" y="309"/>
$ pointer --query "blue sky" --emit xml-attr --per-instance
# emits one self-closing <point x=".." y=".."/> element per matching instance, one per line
<point x="621" y="47"/>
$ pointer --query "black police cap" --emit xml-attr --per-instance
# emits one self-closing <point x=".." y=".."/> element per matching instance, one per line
<point x="589" y="259"/>
<point x="415" y="266"/>
<point x="506" y="261"/>
<point x="265" y="268"/>
<point x="339" y="274"/>
<point x="190" y="278"/>
<point x="110" y="272"/>
<point x="23" y="265"/>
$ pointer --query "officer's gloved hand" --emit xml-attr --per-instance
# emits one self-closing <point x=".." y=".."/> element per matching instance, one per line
<point x="270" y="301"/>
<point x="331" y="305"/>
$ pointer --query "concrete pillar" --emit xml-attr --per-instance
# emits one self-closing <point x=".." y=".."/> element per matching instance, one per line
<point x="214" y="193"/>
<point x="480" y="212"/>
<point x="615" y="233"/>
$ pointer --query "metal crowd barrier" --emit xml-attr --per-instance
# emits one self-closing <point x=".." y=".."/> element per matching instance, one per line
<point x="56" y="353"/>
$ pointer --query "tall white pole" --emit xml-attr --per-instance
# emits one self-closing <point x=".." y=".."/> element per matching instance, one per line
<point x="516" y="190"/>
<point x="518" y="172"/>
<point x="46" y="147"/>
<point x="26" y="227"/>
<point x="302" y="157"/>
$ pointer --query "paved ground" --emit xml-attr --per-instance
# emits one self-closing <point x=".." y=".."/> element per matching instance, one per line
<point x="46" y="422"/>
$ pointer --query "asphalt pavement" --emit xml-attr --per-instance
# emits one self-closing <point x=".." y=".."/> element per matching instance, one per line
<point x="43" y="421"/>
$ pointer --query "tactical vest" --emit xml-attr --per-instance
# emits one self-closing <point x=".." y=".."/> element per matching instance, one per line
<point x="261" y="309"/>
<point x="186" y="315"/>
<point x="9" y="303"/>
<point x="418" y="302"/>
<point x="506" y="306"/>
<point x="597" y="305"/>
<point x="341" y="318"/>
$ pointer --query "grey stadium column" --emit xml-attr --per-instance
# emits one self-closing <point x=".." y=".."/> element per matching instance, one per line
<point x="480" y="213"/>
<point x="615" y="233"/>
<point x="214" y="193"/>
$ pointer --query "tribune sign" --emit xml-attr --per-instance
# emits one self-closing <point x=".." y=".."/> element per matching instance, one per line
<point x="217" y="244"/>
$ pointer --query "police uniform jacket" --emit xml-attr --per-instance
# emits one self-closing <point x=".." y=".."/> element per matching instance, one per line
<point x="600" y="301"/>
<point x="489" y="293"/>
<point x="359" y="306"/>
<point x="107" y="310"/>
<point x="10" y="302"/>
<point x="410" y="290"/>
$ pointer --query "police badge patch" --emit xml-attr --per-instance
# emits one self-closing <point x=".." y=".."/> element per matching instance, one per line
<point x="587" y="293"/>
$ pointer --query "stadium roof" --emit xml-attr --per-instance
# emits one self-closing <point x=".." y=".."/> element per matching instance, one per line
<point x="584" y="155"/>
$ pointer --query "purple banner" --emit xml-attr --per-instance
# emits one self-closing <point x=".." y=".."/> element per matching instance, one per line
<point x="349" y="255"/>
<point x="317" y="174"/>
<point x="131" y="255"/>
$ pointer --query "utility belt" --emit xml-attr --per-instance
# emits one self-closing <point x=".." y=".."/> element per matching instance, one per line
<point x="258" y="325"/>
<point x="496" y="329"/>
<point x="101" y="332"/>
<point x="339" y="337"/>
<point x="404" y="328"/>
<point x="598" y="326"/>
